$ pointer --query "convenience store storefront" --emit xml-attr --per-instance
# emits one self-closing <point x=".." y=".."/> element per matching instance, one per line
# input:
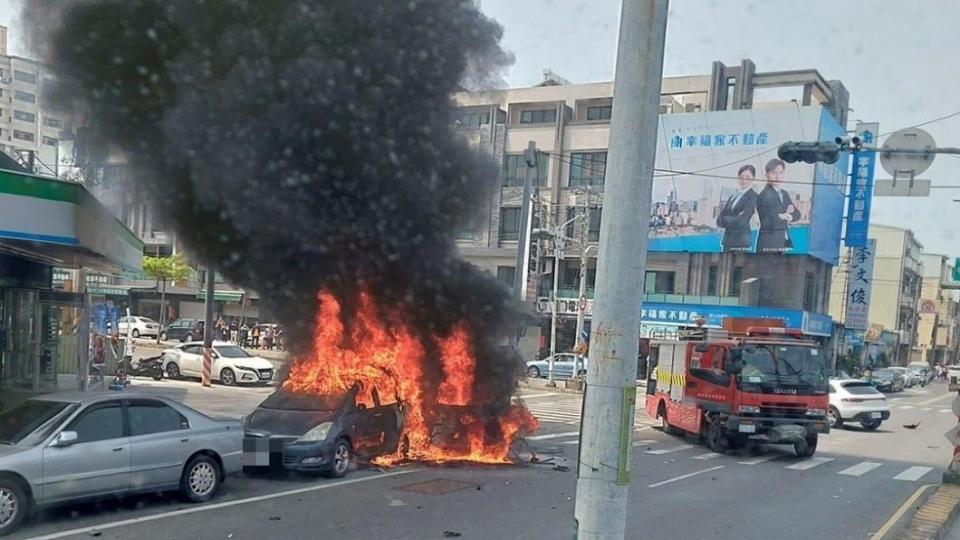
<point x="47" y="223"/>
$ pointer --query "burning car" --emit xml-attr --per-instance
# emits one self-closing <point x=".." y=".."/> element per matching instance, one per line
<point x="320" y="433"/>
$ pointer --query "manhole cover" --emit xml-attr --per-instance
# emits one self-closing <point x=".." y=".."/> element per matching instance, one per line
<point x="438" y="486"/>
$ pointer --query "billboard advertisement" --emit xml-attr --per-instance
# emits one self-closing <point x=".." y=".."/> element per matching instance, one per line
<point x="720" y="187"/>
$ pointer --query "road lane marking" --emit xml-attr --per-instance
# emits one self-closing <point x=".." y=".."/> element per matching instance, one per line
<point x="553" y="436"/>
<point x="708" y="455"/>
<point x="905" y="407"/>
<point x="860" y="469"/>
<point x="913" y="474"/>
<point x="685" y="476"/>
<point x="760" y="459"/>
<point x="809" y="463"/>
<point x="895" y="518"/>
<point x="670" y="450"/>
<point x="532" y="396"/>
<point x="948" y="395"/>
<point x="217" y="506"/>
<point x="926" y="409"/>
<point x="944" y="410"/>
<point x="643" y="442"/>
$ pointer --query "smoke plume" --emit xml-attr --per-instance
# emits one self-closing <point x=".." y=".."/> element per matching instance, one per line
<point x="301" y="145"/>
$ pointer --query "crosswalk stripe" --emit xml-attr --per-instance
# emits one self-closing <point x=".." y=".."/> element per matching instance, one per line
<point x="906" y="407"/>
<point x="670" y="450"/>
<point x="644" y="442"/>
<point x="860" y="469"/>
<point x="575" y="441"/>
<point x="760" y="459"/>
<point x="944" y="410"/>
<point x="809" y="463"/>
<point x="913" y="474"/>
<point x="925" y="409"/>
<point x="708" y="455"/>
<point x="553" y="436"/>
<point x="532" y="396"/>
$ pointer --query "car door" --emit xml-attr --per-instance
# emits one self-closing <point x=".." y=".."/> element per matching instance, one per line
<point x="97" y="463"/>
<point x="191" y="357"/>
<point x="365" y="424"/>
<point x="563" y="366"/>
<point x="159" y="444"/>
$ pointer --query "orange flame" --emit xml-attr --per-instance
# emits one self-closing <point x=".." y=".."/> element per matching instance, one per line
<point x="444" y="419"/>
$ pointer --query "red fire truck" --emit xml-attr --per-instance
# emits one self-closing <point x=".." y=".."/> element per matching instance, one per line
<point x="765" y="385"/>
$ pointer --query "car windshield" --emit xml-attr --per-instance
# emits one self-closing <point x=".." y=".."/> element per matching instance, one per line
<point x="292" y="401"/>
<point x="232" y="351"/>
<point x="860" y="388"/>
<point x="19" y="421"/>
<point x="782" y="365"/>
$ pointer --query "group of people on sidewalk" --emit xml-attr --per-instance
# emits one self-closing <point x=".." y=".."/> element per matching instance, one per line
<point x="259" y="336"/>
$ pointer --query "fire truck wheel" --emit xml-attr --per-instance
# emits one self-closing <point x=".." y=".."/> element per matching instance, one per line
<point x="806" y="447"/>
<point x="716" y="438"/>
<point x="662" y="417"/>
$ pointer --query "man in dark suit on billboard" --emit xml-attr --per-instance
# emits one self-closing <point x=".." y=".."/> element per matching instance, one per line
<point x="775" y="210"/>
<point x="737" y="210"/>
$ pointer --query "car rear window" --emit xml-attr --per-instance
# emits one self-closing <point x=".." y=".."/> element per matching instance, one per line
<point x="860" y="388"/>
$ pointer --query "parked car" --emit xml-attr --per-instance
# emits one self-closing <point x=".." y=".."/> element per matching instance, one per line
<point x="908" y="378"/>
<point x="853" y="400"/>
<point x="60" y="448"/>
<point x="565" y="366"/>
<point x="885" y="379"/>
<point x="183" y="330"/>
<point x="231" y="364"/>
<point x="140" y="326"/>
<point x="314" y="433"/>
<point x="926" y="374"/>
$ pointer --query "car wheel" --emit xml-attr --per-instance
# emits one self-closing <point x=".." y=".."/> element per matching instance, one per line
<point x="187" y="337"/>
<point x="163" y="336"/>
<point x="201" y="479"/>
<point x="340" y="460"/>
<point x="227" y="377"/>
<point x="533" y="372"/>
<point x="806" y="447"/>
<point x="173" y="370"/>
<point x="135" y="333"/>
<point x="871" y="425"/>
<point x="833" y="416"/>
<point x="13" y="506"/>
<point x="157" y="373"/>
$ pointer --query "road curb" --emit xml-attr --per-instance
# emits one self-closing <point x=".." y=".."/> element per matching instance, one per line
<point x="931" y="517"/>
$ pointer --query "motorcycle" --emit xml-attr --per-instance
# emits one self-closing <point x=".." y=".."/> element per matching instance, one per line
<point x="146" y="367"/>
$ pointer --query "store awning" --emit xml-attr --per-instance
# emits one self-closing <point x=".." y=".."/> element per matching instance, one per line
<point x="60" y="223"/>
<point x="222" y="296"/>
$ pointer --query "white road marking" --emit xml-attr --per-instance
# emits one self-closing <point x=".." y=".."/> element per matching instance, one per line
<point x="809" y="463"/>
<point x="895" y="518"/>
<point x="553" y="436"/>
<point x="575" y="441"/>
<point x="913" y="474"/>
<point x="860" y="469"/>
<point x="670" y="450"/>
<point x="905" y="407"/>
<point x="944" y="410"/>
<point x="760" y="459"/>
<point x="685" y="476"/>
<point x="948" y="395"/>
<point x="644" y="442"/>
<point x="534" y="396"/>
<point x="708" y="455"/>
<point x="217" y="506"/>
<point x="926" y="409"/>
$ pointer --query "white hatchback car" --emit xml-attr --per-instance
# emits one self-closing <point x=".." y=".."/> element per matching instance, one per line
<point x="140" y="326"/>
<point x="231" y="364"/>
<point x="853" y="400"/>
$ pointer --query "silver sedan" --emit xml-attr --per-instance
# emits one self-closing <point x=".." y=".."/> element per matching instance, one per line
<point x="65" y="447"/>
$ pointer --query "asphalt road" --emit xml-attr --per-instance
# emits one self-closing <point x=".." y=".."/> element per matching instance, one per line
<point x="680" y="489"/>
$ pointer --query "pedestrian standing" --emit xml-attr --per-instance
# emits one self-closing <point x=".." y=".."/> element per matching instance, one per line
<point x="255" y="336"/>
<point x="244" y="332"/>
<point x="234" y="330"/>
<point x="268" y="339"/>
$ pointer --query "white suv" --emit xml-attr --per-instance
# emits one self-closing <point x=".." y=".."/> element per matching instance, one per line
<point x="853" y="400"/>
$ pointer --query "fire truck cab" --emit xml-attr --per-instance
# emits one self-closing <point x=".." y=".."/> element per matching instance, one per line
<point x="765" y="385"/>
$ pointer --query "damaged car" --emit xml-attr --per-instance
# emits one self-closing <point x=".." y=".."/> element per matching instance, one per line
<point x="320" y="433"/>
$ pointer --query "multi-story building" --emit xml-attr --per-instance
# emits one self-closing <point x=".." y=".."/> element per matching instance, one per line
<point x="894" y="291"/>
<point x="30" y="128"/>
<point x="937" y="324"/>
<point x="709" y="123"/>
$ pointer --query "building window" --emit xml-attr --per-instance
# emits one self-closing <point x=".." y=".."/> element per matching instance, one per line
<point x="809" y="292"/>
<point x="24" y="76"/>
<point x="599" y="112"/>
<point x="713" y="273"/>
<point x="736" y="278"/>
<point x="50" y="141"/>
<point x="53" y="122"/>
<point x="658" y="282"/>
<point x="25" y="116"/>
<point x="588" y="168"/>
<point x="24" y="96"/>
<point x="593" y="231"/>
<point x="515" y="168"/>
<point x="23" y="135"/>
<point x="539" y="116"/>
<point x="509" y="224"/>
<point x="505" y="275"/>
<point x="465" y="233"/>
<point x="474" y="119"/>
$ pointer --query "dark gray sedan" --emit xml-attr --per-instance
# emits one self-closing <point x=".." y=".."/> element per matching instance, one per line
<point x="62" y="448"/>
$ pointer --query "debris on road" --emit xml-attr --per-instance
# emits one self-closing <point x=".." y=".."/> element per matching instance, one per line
<point x="274" y="518"/>
<point x="451" y="534"/>
<point x="913" y="426"/>
<point x="561" y="468"/>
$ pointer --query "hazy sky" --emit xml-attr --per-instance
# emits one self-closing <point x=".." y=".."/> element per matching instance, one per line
<point x="897" y="59"/>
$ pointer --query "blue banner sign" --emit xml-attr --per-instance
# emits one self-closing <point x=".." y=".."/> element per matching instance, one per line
<point x="713" y="315"/>
<point x="861" y="189"/>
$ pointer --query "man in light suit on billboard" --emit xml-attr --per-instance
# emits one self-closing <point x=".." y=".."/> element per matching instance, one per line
<point x="737" y="210"/>
<point x="775" y="210"/>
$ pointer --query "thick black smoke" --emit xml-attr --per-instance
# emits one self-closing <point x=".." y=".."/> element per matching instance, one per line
<point x="300" y="145"/>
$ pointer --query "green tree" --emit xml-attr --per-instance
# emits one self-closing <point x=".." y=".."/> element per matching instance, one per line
<point x="165" y="269"/>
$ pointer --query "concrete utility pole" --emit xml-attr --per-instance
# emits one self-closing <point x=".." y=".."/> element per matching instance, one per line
<point x="606" y="431"/>
<point x="582" y="296"/>
<point x="205" y="375"/>
<point x="523" y="249"/>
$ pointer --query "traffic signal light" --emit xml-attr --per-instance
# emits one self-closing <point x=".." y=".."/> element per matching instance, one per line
<point x="809" y="152"/>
